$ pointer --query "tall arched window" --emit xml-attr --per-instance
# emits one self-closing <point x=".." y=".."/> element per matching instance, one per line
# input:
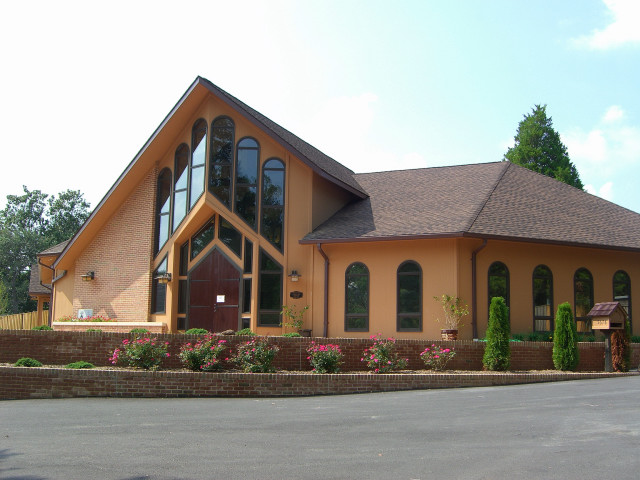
<point x="221" y="159"/>
<point x="269" y="291"/>
<point x="272" y="224"/>
<point x="542" y="299"/>
<point x="356" y="298"/>
<point x="163" y="208"/>
<point x="409" y="297"/>
<point x="498" y="285"/>
<point x="246" y="184"/>
<point x="622" y="291"/>
<point x="198" y="156"/>
<point x="180" y="177"/>
<point x="583" y="298"/>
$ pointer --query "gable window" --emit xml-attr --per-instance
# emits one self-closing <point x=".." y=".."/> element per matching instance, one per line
<point x="159" y="290"/>
<point x="498" y="285"/>
<point x="272" y="225"/>
<point x="246" y="184"/>
<point x="622" y="291"/>
<point x="203" y="238"/>
<point x="163" y="208"/>
<point x="356" y="298"/>
<point x="542" y="299"/>
<point x="181" y="174"/>
<point x="583" y="298"/>
<point x="409" y="299"/>
<point x="198" y="156"/>
<point x="270" y="291"/>
<point x="221" y="159"/>
<point x="231" y="237"/>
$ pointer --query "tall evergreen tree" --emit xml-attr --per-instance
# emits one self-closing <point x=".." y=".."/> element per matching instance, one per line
<point x="565" y="340"/>
<point x="497" y="352"/>
<point x="538" y="147"/>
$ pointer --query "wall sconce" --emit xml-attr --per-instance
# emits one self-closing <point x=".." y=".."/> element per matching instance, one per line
<point x="163" y="278"/>
<point x="88" y="277"/>
<point x="294" y="276"/>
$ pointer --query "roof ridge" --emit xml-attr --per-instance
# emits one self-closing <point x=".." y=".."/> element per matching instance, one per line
<point x="433" y="167"/>
<point x="490" y="194"/>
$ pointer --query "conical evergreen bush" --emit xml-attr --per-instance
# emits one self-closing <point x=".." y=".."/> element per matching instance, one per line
<point x="497" y="352"/>
<point x="565" y="340"/>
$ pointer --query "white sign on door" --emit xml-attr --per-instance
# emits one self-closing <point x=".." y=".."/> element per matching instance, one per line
<point x="220" y="299"/>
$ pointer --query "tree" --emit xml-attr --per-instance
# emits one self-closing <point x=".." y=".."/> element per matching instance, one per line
<point x="565" y="340"/>
<point x="30" y="223"/>
<point x="497" y="352"/>
<point x="538" y="147"/>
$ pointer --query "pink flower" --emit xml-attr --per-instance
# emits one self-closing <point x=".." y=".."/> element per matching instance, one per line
<point x="125" y="341"/>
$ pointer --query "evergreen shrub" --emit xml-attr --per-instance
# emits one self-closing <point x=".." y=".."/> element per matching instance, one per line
<point x="27" y="362"/>
<point x="565" y="340"/>
<point x="79" y="365"/>
<point x="497" y="352"/>
<point x="42" y="327"/>
<point x="197" y="331"/>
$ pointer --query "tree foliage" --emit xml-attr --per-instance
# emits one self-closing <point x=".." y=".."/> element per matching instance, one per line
<point x="31" y="223"/>
<point x="621" y="348"/>
<point x="538" y="147"/>
<point x="497" y="352"/>
<point x="565" y="340"/>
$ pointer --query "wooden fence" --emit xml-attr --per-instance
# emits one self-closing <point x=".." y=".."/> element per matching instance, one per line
<point x="23" y="321"/>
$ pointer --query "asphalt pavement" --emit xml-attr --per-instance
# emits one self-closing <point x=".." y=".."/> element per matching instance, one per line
<point x="587" y="429"/>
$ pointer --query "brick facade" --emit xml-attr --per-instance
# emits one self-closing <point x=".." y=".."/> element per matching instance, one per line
<point x="120" y="255"/>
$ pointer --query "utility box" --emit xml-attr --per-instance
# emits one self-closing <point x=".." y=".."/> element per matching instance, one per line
<point x="607" y="316"/>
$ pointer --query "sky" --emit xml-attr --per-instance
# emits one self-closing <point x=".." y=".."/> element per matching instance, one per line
<point x="377" y="85"/>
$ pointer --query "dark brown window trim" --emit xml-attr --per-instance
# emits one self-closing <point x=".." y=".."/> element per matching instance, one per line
<point x="401" y="315"/>
<point x="347" y="315"/>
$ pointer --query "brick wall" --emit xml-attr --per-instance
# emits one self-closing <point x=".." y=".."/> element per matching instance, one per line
<point x="120" y="256"/>
<point x="60" y="348"/>
<point x="23" y="382"/>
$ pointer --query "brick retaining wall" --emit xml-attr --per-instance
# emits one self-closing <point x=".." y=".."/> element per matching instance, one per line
<point x="24" y="383"/>
<point x="60" y="348"/>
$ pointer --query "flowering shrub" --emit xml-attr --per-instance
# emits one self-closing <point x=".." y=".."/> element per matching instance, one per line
<point x="436" y="357"/>
<point x="325" y="358"/>
<point x="255" y="356"/>
<point x="142" y="352"/>
<point x="380" y="356"/>
<point x="94" y="318"/>
<point x="203" y="355"/>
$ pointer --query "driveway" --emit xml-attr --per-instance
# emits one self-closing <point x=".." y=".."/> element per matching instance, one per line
<point x="581" y="429"/>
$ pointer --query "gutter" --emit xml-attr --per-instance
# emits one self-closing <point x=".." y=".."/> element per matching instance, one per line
<point x="474" y="292"/>
<point x="325" y="323"/>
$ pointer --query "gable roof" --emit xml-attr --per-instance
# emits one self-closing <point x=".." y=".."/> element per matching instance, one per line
<point x="497" y="200"/>
<point x="605" y="309"/>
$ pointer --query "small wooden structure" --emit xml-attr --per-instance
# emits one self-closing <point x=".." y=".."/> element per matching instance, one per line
<point x="606" y="317"/>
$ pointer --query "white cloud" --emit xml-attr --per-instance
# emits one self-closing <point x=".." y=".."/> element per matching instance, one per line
<point x="622" y="30"/>
<point x="613" y="114"/>
<point x="590" y="146"/>
<point x="605" y="191"/>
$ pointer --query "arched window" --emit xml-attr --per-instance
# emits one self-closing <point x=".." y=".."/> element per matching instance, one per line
<point x="269" y="291"/>
<point x="221" y="159"/>
<point x="583" y="298"/>
<point x="180" y="178"/>
<point x="246" y="184"/>
<point x="542" y="299"/>
<point x="272" y="225"/>
<point x="622" y="291"/>
<point x="409" y="298"/>
<point x="198" y="156"/>
<point x="498" y="283"/>
<point x="356" y="298"/>
<point x="163" y="208"/>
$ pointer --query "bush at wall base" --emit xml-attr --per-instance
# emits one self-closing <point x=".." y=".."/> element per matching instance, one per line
<point x="380" y="357"/>
<point x="565" y="340"/>
<point x="256" y="356"/>
<point x="497" y="353"/>
<point x="141" y="352"/>
<point x="27" y="362"/>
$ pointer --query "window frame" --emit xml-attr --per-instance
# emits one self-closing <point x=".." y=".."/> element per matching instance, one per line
<point x="159" y="213"/>
<point x="347" y="315"/>
<point x="549" y="317"/>
<point x="629" y="309"/>
<point x="230" y="165"/>
<point x="156" y="286"/>
<point x="400" y="315"/>
<point x="175" y="224"/>
<point x="264" y="208"/>
<point x="507" y="297"/>
<point x="262" y="272"/>
<point x="237" y="185"/>
<point x="585" y="320"/>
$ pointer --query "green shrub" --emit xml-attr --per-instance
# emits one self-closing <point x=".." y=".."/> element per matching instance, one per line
<point x="256" y="356"/>
<point x="27" y="362"/>
<point x="291" y="335"/>
<point x="79" y="365"/>
<point x="197" y="331"/>
<point x="585" y="337"/>
<point x="517" y="337"/>
<point x="497" y="352"/>
<point x="325" y="358"/>
<point x="203" y="355"/>
<point x="141" y="352"/>
<point x="380" y="357"/>
<point x="621" y="349"/>
<point x="247" y="332"/>
<point x="565" y="344"/>
<point x="142" y="331"/>
<point x="635" y="338"/>
<point x="42" y="327"/>
<point x="93" y="330"/>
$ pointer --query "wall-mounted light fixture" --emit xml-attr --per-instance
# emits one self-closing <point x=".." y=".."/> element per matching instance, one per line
<point x="88" y="277"/>
<point x="294" y="276"/>
<point x="163" y="278"/>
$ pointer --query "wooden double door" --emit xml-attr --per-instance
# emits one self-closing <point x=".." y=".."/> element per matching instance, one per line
<point x="214" y="293"/>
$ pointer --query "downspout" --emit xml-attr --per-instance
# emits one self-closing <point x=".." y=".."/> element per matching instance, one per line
<point x="474" y="288"/>
<point x="49" y="315"/>
<point x="325" y="323"/>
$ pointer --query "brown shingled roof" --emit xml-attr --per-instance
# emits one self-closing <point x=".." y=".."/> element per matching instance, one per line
<point x="490" y="200"/>
<point x="35" y="287"/>
<point x="55" y="250"/>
